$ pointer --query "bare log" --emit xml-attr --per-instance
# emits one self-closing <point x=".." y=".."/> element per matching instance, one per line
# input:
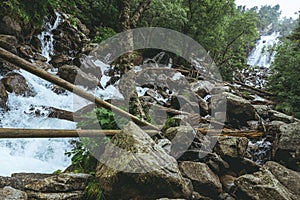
<point x="229" y="132"/>
<point x="12" y="58"/>
<point x="57" y="133"/>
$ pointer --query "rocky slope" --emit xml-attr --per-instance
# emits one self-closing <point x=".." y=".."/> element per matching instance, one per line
<point x="256" y="156"/>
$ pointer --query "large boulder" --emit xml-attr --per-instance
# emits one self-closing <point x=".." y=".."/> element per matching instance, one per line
<point x="16" y="83"/>
<point x="3" y="96"/>
<point x="288" y="145"/>
<point x="232" y="147"/>
<point x="133" y="166"/>
<point x="290" y="179"/>
<point x="9" y="193"/>
<point x="239" y="110"/>
<point x="261" y="185"/>
<point x="75" y="75"/>
<point x="204" y="181"/>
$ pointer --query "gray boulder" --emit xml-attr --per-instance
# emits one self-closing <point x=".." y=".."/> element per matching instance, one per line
<point x="204" y="181"/>
<point x="287" y="145"/>
<point x="16" y="83"/>
<point x="134" y="166"/>
<point x="289" y="178"/>
<point x="75" y="75"/>
<point x="261" y="185"/>
<point x="239" y="110"/>
<point x="233" y="147"/>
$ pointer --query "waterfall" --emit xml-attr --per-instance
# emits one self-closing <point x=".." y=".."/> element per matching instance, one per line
<point x="259" y="62"/>
<point x="46" y="37"/>
<point x="260" y="56"/>
<point x="36" y="155"/>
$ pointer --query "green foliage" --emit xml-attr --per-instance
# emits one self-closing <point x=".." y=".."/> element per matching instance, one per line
<point x="32" y="11"/>
<point x="99" y="118"/>
<point x="82" y="160"/>
<point x="102" y="118"/>
<point x="93" y="191"/>
<point x="285" y="81"/>
<point x="103" y="33"/>
<point x="168" y="14"/>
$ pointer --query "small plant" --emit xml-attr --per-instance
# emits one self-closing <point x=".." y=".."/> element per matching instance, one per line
<point x="93" y="191"/>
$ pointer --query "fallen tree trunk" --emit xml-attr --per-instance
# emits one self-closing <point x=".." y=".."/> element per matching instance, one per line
<point x="261" y="92"/>
<point x="20" y="62"/>
<point x="229" y="132"/>
<point x="59" y="133"/>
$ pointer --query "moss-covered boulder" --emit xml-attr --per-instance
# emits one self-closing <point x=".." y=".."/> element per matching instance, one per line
<point x="134" y="167"/>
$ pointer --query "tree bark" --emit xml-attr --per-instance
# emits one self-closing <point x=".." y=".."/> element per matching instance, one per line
<point x="138" y="12"/>
<point x="57" y="133"/>
<point x="68" y="86"/>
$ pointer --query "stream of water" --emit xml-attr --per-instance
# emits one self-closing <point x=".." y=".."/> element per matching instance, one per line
<point x="36" y="155"/>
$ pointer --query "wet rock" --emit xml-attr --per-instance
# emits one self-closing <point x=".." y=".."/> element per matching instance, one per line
<point x="17" y="84"/>
<point x="290" y="179"/>
<point x="204" y="181"/>
<point x="10" y="26"/>
<point x="261" y="185"/>
<point x="3" y="96"/>
<point x="6" y="67"/>
<point x="239" y="110"/>
<point x="9" y="193"/>
<point x="60" y="183"/>
<point x="59" y="60"/>
<point x="9" y="43"/>
<point x="43" y="65"/>
<point x="75" y="75"/>
<point x="140" y="169"/>
<point x="39" y="57"/>
<point x="233" y="147"/>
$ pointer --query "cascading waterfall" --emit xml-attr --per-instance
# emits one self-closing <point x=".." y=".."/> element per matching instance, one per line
<point x="36" y="155"/>
<point x="46" y="37"/>
<point x="259" y="63"/>
<point x="260" y="60"/>
<point x="261" y="56"/>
